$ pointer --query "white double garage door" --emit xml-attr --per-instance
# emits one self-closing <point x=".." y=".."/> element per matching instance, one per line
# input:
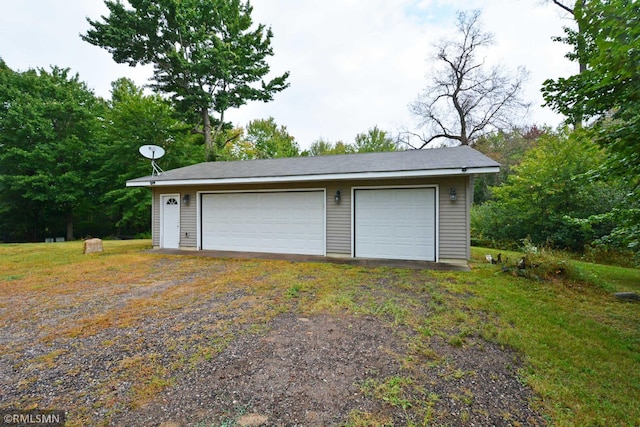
<point x="392" y="223"/>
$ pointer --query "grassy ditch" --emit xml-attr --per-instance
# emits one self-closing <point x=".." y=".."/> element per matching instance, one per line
<point x="141" y="320"/>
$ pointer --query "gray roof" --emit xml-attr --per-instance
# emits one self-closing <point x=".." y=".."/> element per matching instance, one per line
<point x="439" y="160"/>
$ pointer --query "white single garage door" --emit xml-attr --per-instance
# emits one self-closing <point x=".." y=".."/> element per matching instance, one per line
<point x="274" y="222"/>
<point x="395" y="223"/>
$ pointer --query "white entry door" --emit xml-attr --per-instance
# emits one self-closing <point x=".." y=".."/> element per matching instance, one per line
<point x="395" y="223"/>
<point x="170" y="221"/>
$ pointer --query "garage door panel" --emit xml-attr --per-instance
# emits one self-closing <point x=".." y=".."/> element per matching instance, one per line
<point x="395" y="223"/>
<point x="274" y="222"/>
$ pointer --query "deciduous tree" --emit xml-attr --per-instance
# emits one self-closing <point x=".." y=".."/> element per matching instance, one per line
<point x="374" y="140"/>
<point x="466" y="98"/>
<point x="270" y="140"/>
<point x="575" y="34"/>
<point x="323" y="147"/>
<point x="134" y="119"/>
<point x="207" y="55"/>
<point x="508" y="149"/>
<point x="48" y="122"/>
<point x="551" y="185"/>
<point x="262" y="139"/>
<point x="607" y="93"/>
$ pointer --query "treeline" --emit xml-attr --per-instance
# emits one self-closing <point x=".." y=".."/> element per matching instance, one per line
<point x="552" y="192"/>
<point x="65" y="154"/>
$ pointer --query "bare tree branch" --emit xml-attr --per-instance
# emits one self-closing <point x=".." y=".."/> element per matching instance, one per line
<point x="424" y="140"/>
<point x="466" y="98"/>
<point x="563" y="6"/>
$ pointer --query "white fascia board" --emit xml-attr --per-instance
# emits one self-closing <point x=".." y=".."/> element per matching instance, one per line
<point x="308" y="178"/>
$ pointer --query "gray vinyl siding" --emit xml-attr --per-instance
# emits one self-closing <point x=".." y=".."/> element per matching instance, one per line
<point x="188" y="221"/>
<point x="339" y="219"/>
<point x="155" y="217"/>
<point x="453" y="217"/>
<point x="471" y="182"/>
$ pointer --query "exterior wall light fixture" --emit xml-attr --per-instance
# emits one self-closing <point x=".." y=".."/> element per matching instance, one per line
<point x="452" y="194"/>
<point x="186" y="199"/>
<point x="337" y="196"/>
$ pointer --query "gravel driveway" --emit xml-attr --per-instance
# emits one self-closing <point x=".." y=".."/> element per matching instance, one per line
<point x="208" y="349"/>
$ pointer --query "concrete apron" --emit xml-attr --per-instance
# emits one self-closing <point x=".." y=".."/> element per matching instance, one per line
<point x="450" y="265"/>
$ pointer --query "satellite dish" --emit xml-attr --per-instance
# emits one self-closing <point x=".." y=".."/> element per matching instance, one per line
<point x="152" y="152"/>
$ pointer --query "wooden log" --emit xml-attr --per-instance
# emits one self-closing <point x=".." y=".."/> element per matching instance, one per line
<point x="628" y="296"/>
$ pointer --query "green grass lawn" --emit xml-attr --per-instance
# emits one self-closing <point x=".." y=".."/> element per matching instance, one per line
<point x="580" y="345"/>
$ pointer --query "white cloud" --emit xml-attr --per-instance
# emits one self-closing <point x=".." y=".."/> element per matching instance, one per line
<point x="354" y="63"/>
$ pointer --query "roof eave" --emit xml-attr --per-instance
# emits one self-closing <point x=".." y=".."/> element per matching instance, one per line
<point x="159" y="182"/>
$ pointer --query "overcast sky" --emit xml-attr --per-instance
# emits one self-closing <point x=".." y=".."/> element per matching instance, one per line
<point x="354" y="64"/>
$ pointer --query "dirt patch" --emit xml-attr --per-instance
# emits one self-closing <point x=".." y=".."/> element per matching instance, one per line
<point x="303" y="371"/>
<point x="329" y="370"/>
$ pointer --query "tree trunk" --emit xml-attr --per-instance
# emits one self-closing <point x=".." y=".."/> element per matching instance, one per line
<point x="69" y="227"/>
<point x="582" y="68"/>
<point x="209" y="149"/>
<point x="582" y="65"/>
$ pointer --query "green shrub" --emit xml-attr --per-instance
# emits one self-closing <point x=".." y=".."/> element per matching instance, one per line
<point x="549" y="195"/>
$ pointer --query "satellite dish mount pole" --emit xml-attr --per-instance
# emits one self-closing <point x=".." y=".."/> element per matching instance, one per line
<point x="155" y="167"/>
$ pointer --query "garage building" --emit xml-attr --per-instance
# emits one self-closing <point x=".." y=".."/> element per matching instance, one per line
<point x="407" y="205"/>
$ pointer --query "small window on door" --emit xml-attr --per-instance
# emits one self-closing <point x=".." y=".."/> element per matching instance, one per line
<point x="172" y="201"/>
